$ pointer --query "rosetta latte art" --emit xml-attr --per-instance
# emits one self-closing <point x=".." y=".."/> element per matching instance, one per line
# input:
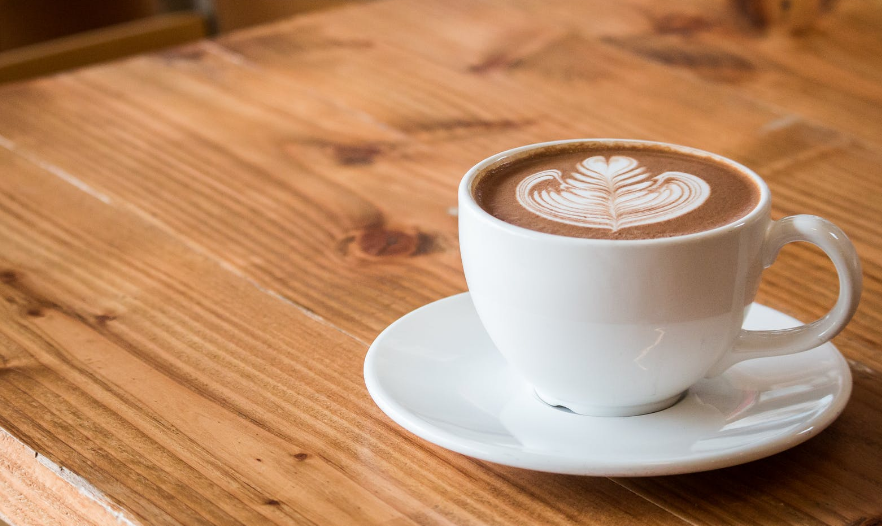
<point x="611" y="194"/>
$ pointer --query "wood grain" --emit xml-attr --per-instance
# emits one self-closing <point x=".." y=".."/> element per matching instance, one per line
<point x="198" y="245"/>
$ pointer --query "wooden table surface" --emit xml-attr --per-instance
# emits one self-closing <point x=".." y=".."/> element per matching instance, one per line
<point x="198" y="246"/>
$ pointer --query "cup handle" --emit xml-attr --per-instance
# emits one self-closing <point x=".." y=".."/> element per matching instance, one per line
<point x="830" y="239"/>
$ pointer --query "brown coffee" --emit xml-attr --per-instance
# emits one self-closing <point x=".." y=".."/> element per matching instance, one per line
<point x="624" y="191"/>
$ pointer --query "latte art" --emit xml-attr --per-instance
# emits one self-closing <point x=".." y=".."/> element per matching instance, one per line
<point x="611" y="194"/>
<point x="615" y="190"/>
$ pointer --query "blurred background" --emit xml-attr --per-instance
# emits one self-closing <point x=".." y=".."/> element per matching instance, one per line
<point x="39" y="37"/>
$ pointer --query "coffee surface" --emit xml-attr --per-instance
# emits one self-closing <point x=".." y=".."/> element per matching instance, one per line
<point x="627" y="192"/>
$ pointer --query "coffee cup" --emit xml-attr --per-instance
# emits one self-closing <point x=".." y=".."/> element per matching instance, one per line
<point x="614" y="274"/>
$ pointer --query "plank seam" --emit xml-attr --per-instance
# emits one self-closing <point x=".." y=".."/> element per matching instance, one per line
<point x="83" y="487"/>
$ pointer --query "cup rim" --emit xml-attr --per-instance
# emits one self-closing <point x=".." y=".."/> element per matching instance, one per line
<point x="467" y="199"/>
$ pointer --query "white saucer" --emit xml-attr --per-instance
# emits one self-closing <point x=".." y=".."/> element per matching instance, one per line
<point x="437" y="374"/>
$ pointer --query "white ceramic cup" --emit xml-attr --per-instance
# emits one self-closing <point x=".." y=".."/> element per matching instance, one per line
<point x="625" y="327"/>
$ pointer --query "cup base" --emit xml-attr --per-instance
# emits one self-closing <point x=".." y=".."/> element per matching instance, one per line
<point x="600" y="410"/>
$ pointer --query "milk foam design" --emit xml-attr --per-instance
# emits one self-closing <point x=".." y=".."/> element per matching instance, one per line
<point x="611" y="194"/>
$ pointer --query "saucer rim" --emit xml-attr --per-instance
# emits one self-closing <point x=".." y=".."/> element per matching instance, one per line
<point x="563" y="464"/>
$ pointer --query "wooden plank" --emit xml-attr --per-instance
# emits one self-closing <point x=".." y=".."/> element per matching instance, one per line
<point x="354" y="221"/>
<point x="137" y="363"/>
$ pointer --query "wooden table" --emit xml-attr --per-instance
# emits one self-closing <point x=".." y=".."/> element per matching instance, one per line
<point x="198" y="246"/>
